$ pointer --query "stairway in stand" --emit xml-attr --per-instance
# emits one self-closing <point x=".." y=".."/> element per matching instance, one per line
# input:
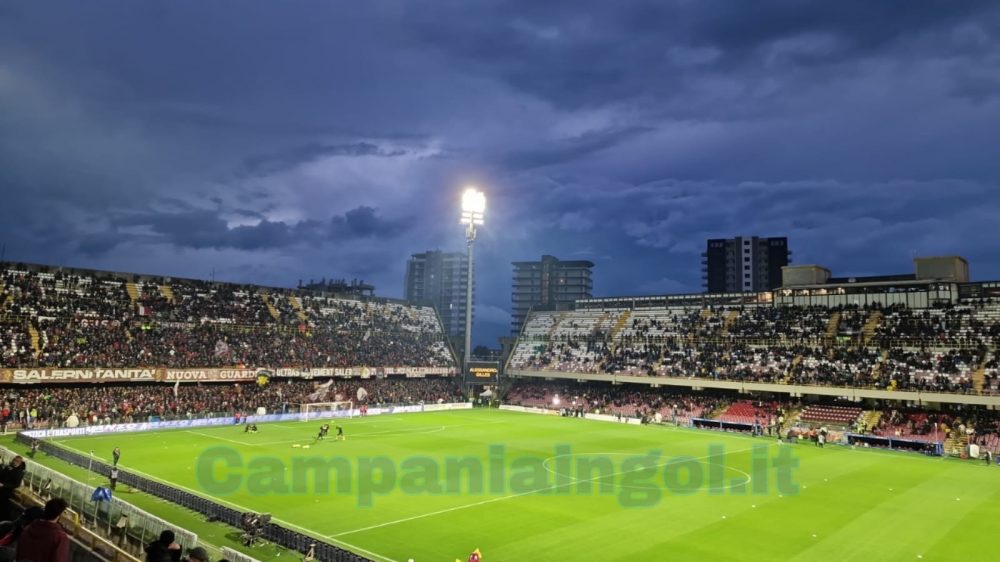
<point x="36" y="344"/>
<point x="795" y="363"/>
<point x="872" y="418"/>
<point x="270" y="307"/>
<point x="5" y="302"/>
<point x="833" y="326"/>
<point x="706" y="313"/>
<point x="871" y="325"/>
<point x="297" y="305"/>
<point x="168" y="293"/>
<point x="133" y="292"/>
<point x="555" y="325"/>
<point x="877" y="367"/>
<point x="620" y="323"/>
<point x="979" y="376"/>
<point x="956" y="445"/>
<point x="731" y="317"/>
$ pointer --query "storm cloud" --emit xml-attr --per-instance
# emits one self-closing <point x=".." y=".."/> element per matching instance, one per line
<point x="271" y="142"/>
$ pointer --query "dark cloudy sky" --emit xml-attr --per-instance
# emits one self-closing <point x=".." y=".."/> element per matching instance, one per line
<point x="277" y="141"/>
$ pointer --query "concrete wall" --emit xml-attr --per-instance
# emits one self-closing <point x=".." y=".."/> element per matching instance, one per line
<point x="797" y="275"/>
<point x="948" y="268"/>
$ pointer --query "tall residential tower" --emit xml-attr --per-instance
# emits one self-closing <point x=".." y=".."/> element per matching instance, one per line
<point x="744" y="264"/>
<point x="439" y="278"/>
<point x="546" y="284"/>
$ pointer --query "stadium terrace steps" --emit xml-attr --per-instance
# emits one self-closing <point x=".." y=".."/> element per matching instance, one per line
<point x="620" y="323"/>
<point x="877" y="367"/>
<point x="872" y="418"/>
<point x="35" y="339"/>
<point x="833" y="326"/>
<point x="133" y="292"/>
<point x="555" y="325"/>
<point x="717" y="412"/>
<point x="270" y="306"/>
<point x="168" y="293"/>
<point x="794" y="365"/>
<point x="979" y="375"/>
<point x="731" y="318"/>
<point x="606" y="317"/>
<point x="955" y="445"/>
<point x="703" y="317"/>
<point x="297" y="306"/>
<point x="871" y="326"/>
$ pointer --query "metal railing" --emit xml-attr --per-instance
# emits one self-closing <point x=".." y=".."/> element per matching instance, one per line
<point x="99" y="547"/>
<point x="273" y="532"/>
<point x="114" y="517"/>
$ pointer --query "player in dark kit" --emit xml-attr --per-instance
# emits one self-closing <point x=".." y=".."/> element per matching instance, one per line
<point x="323" y="430"/>
<point x="117" y="454"/>
<point x="340" y="434"/>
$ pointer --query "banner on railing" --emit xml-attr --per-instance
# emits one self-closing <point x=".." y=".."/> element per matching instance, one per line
<point x="529" y="410"/>
<point x="77" y="375"/>
<point x="363" y="372"/>
<point x="150" y="374"/>
<point x="209" y="375"/>
<point x="204" y="422"/>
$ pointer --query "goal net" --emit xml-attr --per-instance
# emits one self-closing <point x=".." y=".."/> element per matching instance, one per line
<point x="323" y="410"/>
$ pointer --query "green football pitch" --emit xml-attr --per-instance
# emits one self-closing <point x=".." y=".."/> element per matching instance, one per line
<point x="555" y="488"/>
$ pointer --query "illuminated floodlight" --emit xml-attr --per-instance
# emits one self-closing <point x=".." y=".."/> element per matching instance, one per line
<point x="555" y="400"/>
<point x="473" y="207"/>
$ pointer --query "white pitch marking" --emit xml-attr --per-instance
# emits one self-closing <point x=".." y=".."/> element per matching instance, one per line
<point x="491" y="500"/>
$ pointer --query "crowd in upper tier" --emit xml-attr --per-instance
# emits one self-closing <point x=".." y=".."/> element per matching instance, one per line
<point x="946" y="349"/>
<point x="82" y="320"/>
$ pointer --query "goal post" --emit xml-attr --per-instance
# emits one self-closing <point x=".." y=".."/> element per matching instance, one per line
<point x="324" y="410"/>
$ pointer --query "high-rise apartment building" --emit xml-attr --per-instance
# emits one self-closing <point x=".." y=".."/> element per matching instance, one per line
<point x="744" y="264"/>
<point x="439" y="278"/>
<point x="547" y="284"/>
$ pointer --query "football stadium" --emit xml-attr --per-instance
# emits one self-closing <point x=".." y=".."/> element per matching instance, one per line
<point x="499" y="281"/>
<point x="259" y="423"/>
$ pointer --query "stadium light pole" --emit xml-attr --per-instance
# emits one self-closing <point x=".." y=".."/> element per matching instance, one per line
<point x="473" y="213"/>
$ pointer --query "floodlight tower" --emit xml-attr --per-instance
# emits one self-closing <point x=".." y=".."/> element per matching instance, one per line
<point x="473" y="212"/>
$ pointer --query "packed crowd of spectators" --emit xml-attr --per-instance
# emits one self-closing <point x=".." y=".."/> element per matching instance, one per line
<point x="94" y="404"/>
<point x="674" y="405"/>
<point x="795" y="345"/>
<point x="85" y="321"/>
<point x="941" y="326"/>
<point x="603" y="398"/>
<point x="979" y="425"/>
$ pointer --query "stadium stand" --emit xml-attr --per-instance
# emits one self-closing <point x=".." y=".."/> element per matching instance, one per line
<point x="745" y="411"/>
<point x="684" y="407"/>
<point x="45" y="407"/>
<point x="58" y="325"/>
<point x="942" y="349"/>
<point x="844" y="415"/>
<point x="87" y="319"/>
<point x="54" y="322"/>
